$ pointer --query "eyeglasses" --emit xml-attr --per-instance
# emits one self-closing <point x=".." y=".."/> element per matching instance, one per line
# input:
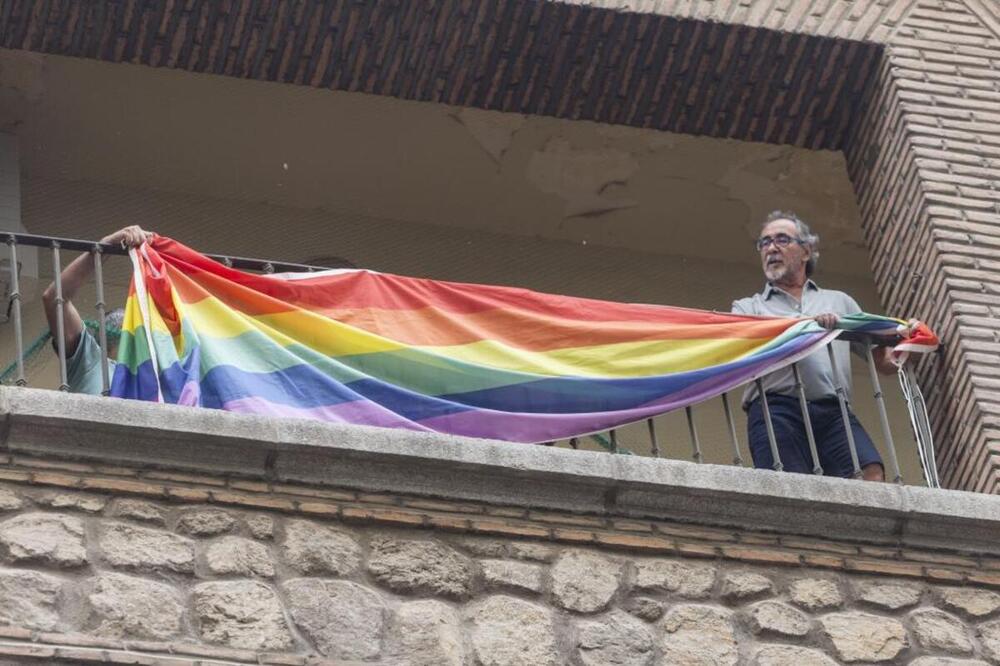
<point x="780" y="240"/>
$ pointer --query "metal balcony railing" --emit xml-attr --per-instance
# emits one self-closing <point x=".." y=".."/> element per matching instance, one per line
<point x="608" y="440"/>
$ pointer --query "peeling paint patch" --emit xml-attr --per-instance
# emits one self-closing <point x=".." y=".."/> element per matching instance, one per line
<point x="589" y="181"/>
<point x="492" y="131"/>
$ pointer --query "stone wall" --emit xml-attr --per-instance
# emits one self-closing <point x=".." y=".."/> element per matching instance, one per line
<point x="157" y="534"/>
<point x="133" y="565"/>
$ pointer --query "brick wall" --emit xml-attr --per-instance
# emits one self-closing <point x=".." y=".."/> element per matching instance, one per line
<point x="925" y="160"/>
<point x="114" y="564"/>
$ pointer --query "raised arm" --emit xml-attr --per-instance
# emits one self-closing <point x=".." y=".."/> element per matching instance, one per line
<point x="74" y="276"/>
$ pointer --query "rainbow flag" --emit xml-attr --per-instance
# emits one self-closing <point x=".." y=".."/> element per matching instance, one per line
<point x="367" y="348"/>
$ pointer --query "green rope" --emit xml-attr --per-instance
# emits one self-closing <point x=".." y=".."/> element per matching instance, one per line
<point x="8" y="376"/>
<point x="33" y="349"/>
<point x="112" y="332"/>
<point x="606" y="444"/>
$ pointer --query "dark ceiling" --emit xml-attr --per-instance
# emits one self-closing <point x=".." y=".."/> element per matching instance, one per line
<point x="526" y="56"/>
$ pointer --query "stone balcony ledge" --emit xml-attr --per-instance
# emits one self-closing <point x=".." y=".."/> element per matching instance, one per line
<point x="85" y="428"/>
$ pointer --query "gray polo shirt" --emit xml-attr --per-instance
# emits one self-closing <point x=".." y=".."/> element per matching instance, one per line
<point x="816" y="370"/>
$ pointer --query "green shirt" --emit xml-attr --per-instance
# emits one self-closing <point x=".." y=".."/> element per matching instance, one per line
<point x="83" y="366"/>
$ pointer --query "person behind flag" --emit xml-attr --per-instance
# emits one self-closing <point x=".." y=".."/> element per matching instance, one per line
<point x="789" y="253"/>
<point x="83" y="353"/>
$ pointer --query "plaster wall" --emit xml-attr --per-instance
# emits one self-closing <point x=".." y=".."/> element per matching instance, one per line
<point x="384" y="158"/>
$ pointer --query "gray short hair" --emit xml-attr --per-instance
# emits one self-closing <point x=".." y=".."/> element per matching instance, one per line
<point x="114" y="320"/>
<point x="810" y="239"/>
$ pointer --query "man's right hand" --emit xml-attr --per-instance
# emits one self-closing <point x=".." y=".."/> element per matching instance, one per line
<point x="131" y="236"/>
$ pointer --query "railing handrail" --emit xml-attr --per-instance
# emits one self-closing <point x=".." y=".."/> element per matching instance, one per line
<point x="267" y="265"/>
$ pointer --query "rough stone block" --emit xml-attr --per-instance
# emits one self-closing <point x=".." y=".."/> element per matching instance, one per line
<point x="511" y="632"/>
<point x="52" y="539"/>
<point x="134" y="509"/>
<point x="644" y="608"/>
<point x="260" y="525"/>
<point x="483" y="546"/>
<point x="517" y="575"/>
<point x="971" y="602"/>
<point x="772" y="617"/>
<point x="123" y="606"/>
<point x="428" y="633"/>
<point x="583" y="581"/>
<point x="744" y="585"/>
<point x="29" y="599"/>
<point x="616" y="638"/>
<point x="528" y="550"/>
<point x="236" y="555"/>
<point x="9" y="500"/>
<point x="313" y="549"/>
<point x="80" y="501"/>
<point x="697" y="635"/>
<point x="145" y="549"/>
<point x="686" y="579"/>
<point x="891" y="596"/>
<point x="790" y="655"/>
<point x="937" y="630"/>
<point x="864" y="637"/>
<point x="815" y="593"/>
<point x="418" y="566"/>
<point x="989" y="637"/>
<point x="205" y="522"/>
<point x="240" y="614"/>
<point x="343" y="619"/>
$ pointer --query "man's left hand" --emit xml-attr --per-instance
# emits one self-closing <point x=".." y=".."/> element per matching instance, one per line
<point x="827" y="320"/>
<point x="909" y="328"/>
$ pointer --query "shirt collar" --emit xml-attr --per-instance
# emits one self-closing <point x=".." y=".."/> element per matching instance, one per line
<point x="770" y="289"/>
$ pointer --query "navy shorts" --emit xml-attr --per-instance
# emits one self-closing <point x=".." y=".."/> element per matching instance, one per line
<point x="793" y="446"/>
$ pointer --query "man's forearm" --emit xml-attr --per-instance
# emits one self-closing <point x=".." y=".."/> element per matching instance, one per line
<point x="71" y="279"/>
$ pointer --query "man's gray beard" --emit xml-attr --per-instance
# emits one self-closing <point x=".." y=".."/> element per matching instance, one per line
<point x="775" y="274"/>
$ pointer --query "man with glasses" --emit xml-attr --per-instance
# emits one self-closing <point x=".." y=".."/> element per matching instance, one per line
<point x="789" y="253"/>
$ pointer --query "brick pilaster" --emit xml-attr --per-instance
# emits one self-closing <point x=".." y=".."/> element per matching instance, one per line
<point x="925" y="160"/>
